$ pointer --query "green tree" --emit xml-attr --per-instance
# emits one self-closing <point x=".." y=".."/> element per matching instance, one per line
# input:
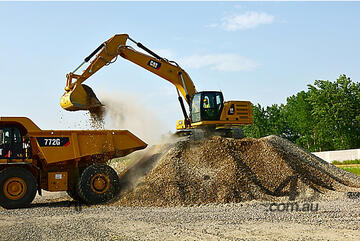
<point x="298" y="116"/>
<point x="269" y="121"/>
<point x="259" y="127"/>
<point x="325" y="117"/>
<point x="277" y="124"/>
<point x="336" y="113"/>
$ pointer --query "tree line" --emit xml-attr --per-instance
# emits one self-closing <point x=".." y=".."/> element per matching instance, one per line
<point x="325" y="117"/>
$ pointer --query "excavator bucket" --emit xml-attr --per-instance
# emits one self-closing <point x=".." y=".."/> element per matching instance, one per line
<point x="81" y="97"/>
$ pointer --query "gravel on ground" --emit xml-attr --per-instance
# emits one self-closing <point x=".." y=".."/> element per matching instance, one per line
<point x="56" y="217"/>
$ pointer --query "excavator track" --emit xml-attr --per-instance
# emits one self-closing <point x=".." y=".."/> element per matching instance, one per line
<point x="204" y="133"/>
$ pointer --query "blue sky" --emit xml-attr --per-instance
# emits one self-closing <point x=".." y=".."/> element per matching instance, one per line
<point x="257" y="51"/>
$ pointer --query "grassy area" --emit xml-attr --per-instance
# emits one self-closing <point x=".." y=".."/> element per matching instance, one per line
<point x="355" y="170"/>
<point x="357" y="161"/>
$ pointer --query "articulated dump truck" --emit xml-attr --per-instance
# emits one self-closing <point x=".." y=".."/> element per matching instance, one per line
<point x="32" y="160"/>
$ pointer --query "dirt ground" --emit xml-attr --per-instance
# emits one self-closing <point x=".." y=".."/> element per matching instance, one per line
<point x="217" y="189"/>
<point x="55" y="217"/>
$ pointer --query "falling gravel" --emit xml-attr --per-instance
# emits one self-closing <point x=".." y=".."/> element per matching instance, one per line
<point x="225" y="170"/>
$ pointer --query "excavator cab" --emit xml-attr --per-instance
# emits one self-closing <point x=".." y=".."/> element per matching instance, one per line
<point x="206" y="106"/>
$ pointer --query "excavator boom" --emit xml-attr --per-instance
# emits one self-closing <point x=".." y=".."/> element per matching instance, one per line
<point x="78" y="96"/>
<point x="207" y="109"/>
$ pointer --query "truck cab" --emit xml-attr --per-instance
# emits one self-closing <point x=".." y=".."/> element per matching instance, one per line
<point x="13" y="144"/>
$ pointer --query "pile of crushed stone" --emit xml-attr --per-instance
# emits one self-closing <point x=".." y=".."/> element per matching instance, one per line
<point x="225" y="170"/>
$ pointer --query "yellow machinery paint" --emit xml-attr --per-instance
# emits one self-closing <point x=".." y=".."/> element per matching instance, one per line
<point x="56" y="160"/>
<point x="78" y="96"/>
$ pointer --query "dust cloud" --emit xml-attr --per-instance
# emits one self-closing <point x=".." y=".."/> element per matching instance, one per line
<point x="127" y="112"/>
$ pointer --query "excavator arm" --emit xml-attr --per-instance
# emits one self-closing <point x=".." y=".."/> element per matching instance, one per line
<point x="78" y="96"/>
<point x="208" y="110"/>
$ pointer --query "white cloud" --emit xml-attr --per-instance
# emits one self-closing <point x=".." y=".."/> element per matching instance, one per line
<point x="247" y="20"/>
<point x="221" y="62"/>
<point x="212" y="25"/>
<point x="164" y="53"/>
<point x="227" y="62"/>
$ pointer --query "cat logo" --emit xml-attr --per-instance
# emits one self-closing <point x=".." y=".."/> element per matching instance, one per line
<point x="231" y="110"/>
<point x="154" y="64"/>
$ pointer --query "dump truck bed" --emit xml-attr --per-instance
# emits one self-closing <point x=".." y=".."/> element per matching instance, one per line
<point x="59" y="146"/>
<point x="55" y="146"/>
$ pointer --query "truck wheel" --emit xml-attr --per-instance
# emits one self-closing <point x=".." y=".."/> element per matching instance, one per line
<point x="73" y="194"/>
<point x="17" y="187"/>
<point x="98" y="183"/>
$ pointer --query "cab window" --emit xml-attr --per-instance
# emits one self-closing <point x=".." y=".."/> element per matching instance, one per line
<point x="12" y="145"/>
<point x="212" y="104"/>
<point x="5" y="136"/>
<point x="17" y="136"/>
<point x="195" y="108"/>
<point x="1" y="137"/>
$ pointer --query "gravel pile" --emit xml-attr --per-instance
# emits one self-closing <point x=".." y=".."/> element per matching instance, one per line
<point x="224" y="170"/>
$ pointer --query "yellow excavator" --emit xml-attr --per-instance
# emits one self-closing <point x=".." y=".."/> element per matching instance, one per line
<point x="209" y="113"/>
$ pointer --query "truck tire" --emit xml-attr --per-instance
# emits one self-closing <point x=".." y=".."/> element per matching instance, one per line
<point x="98" y="183"/>
<point x="73" y="194"/>
<point x="17" y="187"/>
